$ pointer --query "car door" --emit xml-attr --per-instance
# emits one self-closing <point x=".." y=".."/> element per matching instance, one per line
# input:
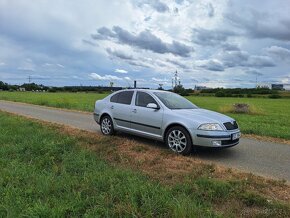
<point x="120" y="107"/>
<point x="146" y="119"/>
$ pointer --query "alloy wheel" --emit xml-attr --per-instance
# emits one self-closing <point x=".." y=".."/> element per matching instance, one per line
<point x="177" y="141"/>
<point x="106" y="126"/>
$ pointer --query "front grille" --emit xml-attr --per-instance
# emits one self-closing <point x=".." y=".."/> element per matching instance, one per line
<point x="231" y="126"/>
<point x="229" y="142"/>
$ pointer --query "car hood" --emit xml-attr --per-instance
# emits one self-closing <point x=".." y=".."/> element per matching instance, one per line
<point x="203" y="116"/>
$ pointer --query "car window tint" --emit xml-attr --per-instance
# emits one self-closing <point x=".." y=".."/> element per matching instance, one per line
<point x="125" y="97"/>
<point x="114" y="98"/>
<point x="143" y="99"/>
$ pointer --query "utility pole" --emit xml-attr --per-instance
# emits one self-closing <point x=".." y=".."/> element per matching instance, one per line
<point x="175" y="78"/>
<point x="29" y="79"/>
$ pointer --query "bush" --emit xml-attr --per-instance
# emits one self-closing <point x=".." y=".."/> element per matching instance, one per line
<point x="275" y="96"/>
<point x="52" y="90"/>
<point x="242" y="91"/>
<point x="179" y="89"/>
<point x="220" y="94"/>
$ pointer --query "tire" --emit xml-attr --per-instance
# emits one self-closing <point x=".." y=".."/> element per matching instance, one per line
<point x="178" y="140"/>
<point x="106" y="125"/>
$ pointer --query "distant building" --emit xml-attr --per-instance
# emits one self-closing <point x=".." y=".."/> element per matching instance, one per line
<point x="21" y="89"/>
<point x="198" y="88"/>
<point x="264" y="85"/>
<point x="277" y="86"/>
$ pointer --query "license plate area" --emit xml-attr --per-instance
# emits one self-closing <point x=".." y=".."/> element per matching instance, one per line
<point x="236" y="135"/>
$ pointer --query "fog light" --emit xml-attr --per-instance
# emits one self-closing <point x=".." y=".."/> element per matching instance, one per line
<point x="216" y="143"/>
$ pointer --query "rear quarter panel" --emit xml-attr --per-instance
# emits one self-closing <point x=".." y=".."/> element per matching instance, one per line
<point x="100" y="108"/>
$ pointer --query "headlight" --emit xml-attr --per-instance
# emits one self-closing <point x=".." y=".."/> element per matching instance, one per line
<point x="210" y="126"/>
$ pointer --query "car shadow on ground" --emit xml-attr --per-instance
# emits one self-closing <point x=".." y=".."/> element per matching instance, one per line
<point x="200" y="152"/>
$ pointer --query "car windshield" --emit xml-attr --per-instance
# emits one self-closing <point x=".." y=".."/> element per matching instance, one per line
<point x="174" y="101"/>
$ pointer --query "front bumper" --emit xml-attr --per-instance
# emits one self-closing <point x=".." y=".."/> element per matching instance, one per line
<point x="216" y="138"/>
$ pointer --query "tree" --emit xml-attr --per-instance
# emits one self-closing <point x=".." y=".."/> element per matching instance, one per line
<point x="4" y="86"/>
<point x="179" y="89"/>
<point x="160" y="87"/>
<point x="220" y="94"/>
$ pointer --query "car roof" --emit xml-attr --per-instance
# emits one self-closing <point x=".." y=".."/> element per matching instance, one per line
<point x="144" y="90"/>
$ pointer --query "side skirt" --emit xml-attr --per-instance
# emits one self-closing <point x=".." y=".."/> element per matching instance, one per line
<point x="139" y="133"/>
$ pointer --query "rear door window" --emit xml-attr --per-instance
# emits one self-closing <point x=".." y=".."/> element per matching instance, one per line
<point x="123" y="97"/>
<point x="114" y="98"/>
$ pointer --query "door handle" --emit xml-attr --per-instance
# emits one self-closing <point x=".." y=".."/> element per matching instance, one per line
<point x="134" y="110"/>
<point x="112" y="107"/>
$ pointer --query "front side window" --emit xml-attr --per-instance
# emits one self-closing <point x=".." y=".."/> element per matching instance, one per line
<point x="174" y="101"/>
<point x="143" y="99"/>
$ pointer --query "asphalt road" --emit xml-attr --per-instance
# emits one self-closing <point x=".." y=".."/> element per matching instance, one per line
<point x="259" y="157"/>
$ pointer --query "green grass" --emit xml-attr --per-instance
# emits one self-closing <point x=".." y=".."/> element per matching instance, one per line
<point x="274" y="119"/>
<point x="76" y="101"/>
<point x="45" y="173"/>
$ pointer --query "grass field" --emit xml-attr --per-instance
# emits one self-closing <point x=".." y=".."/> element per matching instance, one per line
<point x="272" y="120"/>
<point x="46" y="172"/>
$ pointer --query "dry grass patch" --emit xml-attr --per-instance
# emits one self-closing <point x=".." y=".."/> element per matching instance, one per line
<point x="161" y="164"/>
<point x="241" y="108"/>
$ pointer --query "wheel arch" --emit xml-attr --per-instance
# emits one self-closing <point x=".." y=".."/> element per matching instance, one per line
<point x="105" y="114"/>
<point x="176" y="124"/>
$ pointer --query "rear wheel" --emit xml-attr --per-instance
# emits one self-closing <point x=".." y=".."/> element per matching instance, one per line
<point x="107" y="127"/>
<point x="179" y="140"/>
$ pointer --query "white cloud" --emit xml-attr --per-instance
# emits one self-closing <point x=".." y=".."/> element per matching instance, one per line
<point x="106" y="77"/>
<point x="60" y="65"/>
<point x="127" y="78"/>
<point x="213" y="65"/>
<point x="47" y="65"/>
<point x="53" y="65"/>
<point x="277" y="51"/>
<point x="285" y="80"/>
<point x="160" y="79"/>
<point x="121" y="71"/>
<point x="2" y="63"/>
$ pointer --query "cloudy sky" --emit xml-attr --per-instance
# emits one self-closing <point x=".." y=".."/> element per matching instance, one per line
<point x="209" y="42"/>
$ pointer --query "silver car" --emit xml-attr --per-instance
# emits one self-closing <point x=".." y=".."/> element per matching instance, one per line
<point x="167" y="117"/>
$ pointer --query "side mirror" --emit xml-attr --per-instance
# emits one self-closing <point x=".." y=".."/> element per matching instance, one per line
<point x="153" y="106"/>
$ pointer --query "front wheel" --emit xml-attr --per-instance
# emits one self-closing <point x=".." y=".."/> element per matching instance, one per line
<point x="179" y="140"/>
<point x="107" y="127"/>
